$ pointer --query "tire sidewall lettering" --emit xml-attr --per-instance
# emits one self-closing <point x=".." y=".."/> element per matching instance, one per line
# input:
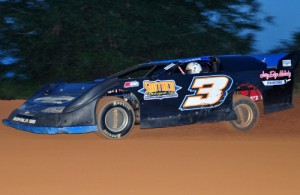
<point x="118" y="103"/>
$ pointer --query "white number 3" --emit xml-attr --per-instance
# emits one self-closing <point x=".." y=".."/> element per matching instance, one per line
<point x="208" y="92"/>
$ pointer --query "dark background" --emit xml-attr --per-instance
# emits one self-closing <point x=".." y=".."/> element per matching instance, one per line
<point x="76" y="40"/>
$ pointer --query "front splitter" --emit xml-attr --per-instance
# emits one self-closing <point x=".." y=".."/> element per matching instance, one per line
<point x="51" y="130"/>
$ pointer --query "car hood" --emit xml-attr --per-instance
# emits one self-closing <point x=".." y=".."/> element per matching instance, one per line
<point x="60" y="93"/>
<point x="67" y="96"/>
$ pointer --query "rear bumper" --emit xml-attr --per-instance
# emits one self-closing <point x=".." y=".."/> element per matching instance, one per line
<point x="51" y="130"/>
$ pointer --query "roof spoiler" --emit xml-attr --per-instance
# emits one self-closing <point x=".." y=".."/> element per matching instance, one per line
<point x="280" y="61"/>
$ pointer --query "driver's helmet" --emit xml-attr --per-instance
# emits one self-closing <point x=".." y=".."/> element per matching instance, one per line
<point x="193" y="68"/>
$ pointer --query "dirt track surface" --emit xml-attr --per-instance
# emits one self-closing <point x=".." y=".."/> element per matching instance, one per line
<point x="196" y="159"/>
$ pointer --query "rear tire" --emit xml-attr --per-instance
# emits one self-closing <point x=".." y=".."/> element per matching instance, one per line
<point x="246" y="111"/>
<point x="115" y="117"/>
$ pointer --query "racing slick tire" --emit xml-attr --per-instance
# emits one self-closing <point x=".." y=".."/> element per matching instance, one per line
<point x="247" y="113"/>
<point x="115" y="117"/>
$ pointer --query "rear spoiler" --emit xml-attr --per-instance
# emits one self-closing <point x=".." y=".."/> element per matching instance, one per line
<point x="280" y="61"/>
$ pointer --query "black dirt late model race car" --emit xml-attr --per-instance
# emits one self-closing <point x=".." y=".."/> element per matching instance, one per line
<point x="164" y="93"/>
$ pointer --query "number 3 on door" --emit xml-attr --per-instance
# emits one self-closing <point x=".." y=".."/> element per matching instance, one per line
<point x="209" y="92"/>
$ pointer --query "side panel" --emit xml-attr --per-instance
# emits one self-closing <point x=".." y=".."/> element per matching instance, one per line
<point x="277" y="90"/>
<point x="185" y="99"/>
<point x="278" y="83"/>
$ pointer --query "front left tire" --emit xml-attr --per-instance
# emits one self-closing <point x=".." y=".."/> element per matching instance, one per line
<point x="115" y="117"/>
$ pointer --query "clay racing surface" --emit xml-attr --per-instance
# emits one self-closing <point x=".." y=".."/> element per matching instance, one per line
<point x="195" y="159"/>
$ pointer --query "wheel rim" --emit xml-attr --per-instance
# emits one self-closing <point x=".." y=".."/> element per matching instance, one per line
<point x="244" y="115"/>
<point x="116" y="119"/>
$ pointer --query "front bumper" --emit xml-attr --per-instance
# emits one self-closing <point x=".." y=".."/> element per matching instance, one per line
<point x="30" y="117"/>
<point x="51" y="130"/>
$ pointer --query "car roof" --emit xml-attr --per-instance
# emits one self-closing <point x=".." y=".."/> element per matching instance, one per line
<point x="240" y="63"/>
<point x="184" y="60"/>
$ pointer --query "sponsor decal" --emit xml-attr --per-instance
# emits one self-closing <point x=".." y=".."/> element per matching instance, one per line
<point x="256" y="97"/>
<point x="159" y="89"/>
<point x="274" y="74"/>
<point x="24" y="120"/>
<point x="286" y="63"/>
<point x="130" y="84"/>
<point x="208" y="92"/>
<point x="274" y="77"/>
<point x="276" y="82"/>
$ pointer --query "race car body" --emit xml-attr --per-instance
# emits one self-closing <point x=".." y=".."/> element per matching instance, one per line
<point x="163" y="93"/>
